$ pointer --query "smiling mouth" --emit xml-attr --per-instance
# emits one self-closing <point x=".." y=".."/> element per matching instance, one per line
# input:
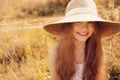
<point x="82" y="33"/>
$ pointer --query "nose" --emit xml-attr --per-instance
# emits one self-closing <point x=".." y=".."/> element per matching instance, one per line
<point x="85" y="26"/>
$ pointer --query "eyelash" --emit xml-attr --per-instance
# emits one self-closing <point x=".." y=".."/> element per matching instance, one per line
<point x="89" y="22"/>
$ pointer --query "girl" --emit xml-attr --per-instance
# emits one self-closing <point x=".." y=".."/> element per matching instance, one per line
<point x="78" y="54"/>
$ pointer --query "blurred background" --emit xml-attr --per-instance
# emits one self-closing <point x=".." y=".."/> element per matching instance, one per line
<point x="24" y="44"/>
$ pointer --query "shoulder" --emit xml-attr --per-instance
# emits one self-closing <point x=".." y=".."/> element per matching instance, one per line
<point x="52" y="56"/>
<point x="53" y="52"/>
<point x="53" y="49"/>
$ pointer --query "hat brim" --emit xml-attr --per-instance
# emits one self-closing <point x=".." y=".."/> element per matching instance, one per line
<point x="108" y="27"/>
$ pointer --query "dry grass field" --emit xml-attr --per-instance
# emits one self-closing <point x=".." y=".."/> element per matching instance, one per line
<point x="24" y="44"/>
<point x="24" y="51"/>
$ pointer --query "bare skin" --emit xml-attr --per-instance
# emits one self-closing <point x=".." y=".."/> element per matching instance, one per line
<point x="79" y="51"/>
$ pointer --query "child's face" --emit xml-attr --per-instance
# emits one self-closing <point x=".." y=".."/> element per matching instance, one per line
<point x="83" y="30"/>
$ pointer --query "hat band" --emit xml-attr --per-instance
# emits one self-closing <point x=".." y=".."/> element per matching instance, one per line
<point x="82" y="10"/>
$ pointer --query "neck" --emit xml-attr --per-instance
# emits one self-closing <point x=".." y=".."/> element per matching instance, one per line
<point x="80" y="45"/>
<point x="79" y="51"/>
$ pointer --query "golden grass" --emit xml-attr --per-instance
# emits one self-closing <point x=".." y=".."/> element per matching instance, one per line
<point x="26" y="8"/>
<point x="23" y="54"/>
<point x="34" y="8"/>
<point x="24" y="51"/>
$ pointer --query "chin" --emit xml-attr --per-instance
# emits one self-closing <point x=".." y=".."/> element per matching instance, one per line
<point x="82" y="39"/>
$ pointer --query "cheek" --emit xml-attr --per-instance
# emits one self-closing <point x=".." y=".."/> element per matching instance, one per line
<point x="91" y="29"/>
<point x="74" y="29"/>
<point x="74" y="32"/>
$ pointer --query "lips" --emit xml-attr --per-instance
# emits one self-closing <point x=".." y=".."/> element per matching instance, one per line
<point x="82" y="33"/>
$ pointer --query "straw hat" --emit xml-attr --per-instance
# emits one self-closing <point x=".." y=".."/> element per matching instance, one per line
<point x="80" y="11"/>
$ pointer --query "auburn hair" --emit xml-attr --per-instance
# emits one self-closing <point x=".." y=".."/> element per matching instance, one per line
<point x="65" y="58"/>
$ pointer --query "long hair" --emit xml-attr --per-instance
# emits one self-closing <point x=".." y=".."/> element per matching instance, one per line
<point x="65" y="58"/>
<point x="93" y="56"/>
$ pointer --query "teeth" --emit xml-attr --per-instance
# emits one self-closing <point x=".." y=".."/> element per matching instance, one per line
<point x="83" y="33"/>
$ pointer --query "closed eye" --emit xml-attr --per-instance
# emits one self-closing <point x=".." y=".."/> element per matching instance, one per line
<point x="90" y="22"/>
